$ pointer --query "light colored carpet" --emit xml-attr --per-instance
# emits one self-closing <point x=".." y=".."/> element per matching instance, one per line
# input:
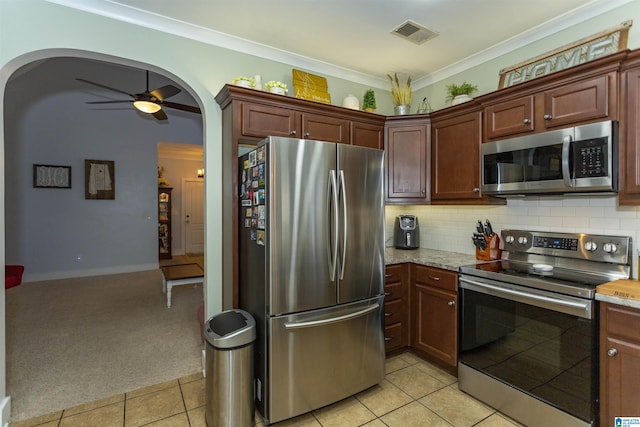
<point x="78" y="340"/>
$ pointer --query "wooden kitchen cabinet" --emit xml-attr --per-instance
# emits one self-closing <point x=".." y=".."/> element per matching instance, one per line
<point x="581" y="94"/>
<point x="396" y="307"/>
<point x="434" y="296"/>
<point x="367" y="135"/>
<point x="455" y="157"/>
<point x="619" y="362"/>
<point x="407" y="145"/>
<point x="629" y="148"/>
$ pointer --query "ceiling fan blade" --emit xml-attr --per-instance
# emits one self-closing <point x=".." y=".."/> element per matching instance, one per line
<point x="105" y="87"/>
<point x="109" y="102"/>
<point x="160" y="115"/>
<point x="165" y="92"/>
<point x="182" y="107"/>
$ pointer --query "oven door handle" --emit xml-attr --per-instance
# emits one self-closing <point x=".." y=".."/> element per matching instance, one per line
<point x="582" y="309"/>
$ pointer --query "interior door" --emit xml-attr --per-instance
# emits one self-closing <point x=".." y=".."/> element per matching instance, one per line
<point x="193" y="197"/>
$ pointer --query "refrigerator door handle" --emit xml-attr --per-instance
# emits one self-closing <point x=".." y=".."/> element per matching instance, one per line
<point x="332" y="208"/>
<point x="313" y="323"/>
<point x="343" y="191"/>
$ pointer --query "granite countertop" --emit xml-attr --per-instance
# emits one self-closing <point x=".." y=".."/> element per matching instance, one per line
<point x="431" y="257"/>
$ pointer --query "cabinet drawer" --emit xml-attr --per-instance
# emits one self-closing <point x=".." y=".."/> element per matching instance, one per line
<point x="436" y="277"/>
<point x="393" y="312"/>
<point x="394" y="273"/>
<point x="622" y="322"/>
<point x="393" y="291"/>
<point x="393" y="337"/>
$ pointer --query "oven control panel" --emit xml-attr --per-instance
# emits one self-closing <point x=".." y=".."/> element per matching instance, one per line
<point x="593" y="247"/>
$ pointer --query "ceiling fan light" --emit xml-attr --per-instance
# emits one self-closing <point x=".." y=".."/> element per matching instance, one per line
<point x="147" y="106"/>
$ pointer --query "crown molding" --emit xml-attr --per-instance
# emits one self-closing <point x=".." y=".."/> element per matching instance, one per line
<point x="179" y="28"/>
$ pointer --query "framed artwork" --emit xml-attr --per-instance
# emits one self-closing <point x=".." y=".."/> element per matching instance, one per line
<point x="51" y="176"/>
<point x="99" y="180"/>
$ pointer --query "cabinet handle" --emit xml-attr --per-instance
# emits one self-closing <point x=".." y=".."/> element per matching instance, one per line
<point x="388" y="314"/>
<point x="388" y="275"/>
<point x="306" y="135"/>
<point x="476" y="190"/>
<point x="451" y="303"/>
<point x="386" y="294"/>
<point x="434" y="278"/>
<point x="547" y="117"/>
<point x="293" y="132"/>
<point x="612" y="352"/>
<point x="388" y="338"/>
<point x="527" y="121"/>
<point x="424" y="191"/>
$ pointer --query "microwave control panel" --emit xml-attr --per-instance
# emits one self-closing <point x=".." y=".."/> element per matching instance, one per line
<point x="590" y="158"/>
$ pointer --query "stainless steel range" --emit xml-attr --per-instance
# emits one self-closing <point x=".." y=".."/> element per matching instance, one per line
<point x="528" y="325"/>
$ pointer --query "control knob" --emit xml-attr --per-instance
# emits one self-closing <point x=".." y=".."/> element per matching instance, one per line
<point x="522" y="240"/>
<point x="591" y="246"/>
<point x="509" y="238"/>
<point x="610" y="248"/>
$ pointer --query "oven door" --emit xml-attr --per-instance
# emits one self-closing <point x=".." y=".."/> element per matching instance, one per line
<point x="539" y="344"/>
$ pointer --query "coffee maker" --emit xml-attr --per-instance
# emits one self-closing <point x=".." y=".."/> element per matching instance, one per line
<point x="406" y="234"/>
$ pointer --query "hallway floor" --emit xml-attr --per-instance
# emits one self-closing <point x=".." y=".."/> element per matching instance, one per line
<point x="414" y="393"/>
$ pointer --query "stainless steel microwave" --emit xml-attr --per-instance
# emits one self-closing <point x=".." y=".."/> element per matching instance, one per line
<point x="581" y="159"/>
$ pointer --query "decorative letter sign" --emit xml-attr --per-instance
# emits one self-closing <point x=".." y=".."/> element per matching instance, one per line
<point x="585" y="50"/>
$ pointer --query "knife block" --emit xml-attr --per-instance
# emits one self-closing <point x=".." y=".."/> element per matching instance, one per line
<point x="492" y="251"/>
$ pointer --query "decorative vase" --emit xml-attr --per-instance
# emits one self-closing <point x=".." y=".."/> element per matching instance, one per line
<point x="350" y="101"/>
<point x="258" y="79"/>
<point x="369" y="110"/>
<point x="276" y="90"/>
<point x="401" y="110"/>
<point x="243" y="83"/>
<point x="461" y="99"/>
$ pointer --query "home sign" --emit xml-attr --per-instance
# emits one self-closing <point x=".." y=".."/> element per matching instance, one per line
<point x="587" y="49"/>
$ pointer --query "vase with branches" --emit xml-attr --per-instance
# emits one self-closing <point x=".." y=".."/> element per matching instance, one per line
<point x="401" y="94"/>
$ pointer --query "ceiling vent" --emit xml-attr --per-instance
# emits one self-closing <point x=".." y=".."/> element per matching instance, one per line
<point x="414" y="32"/>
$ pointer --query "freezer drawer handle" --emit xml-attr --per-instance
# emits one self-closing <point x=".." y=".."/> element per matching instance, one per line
<point x="312" y="323"/>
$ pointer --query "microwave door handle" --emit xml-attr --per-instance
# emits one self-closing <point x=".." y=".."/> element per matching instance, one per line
<point x="566" y="172"/>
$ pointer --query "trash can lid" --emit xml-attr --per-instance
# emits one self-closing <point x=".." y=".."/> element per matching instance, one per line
<point x="231" y="328"/>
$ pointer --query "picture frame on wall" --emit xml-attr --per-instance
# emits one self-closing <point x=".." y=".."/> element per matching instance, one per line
<point x="51" y="176"/>
<point x="99" y="180"/>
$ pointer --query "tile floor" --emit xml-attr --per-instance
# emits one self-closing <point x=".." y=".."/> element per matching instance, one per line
<point x="414" y="393"/>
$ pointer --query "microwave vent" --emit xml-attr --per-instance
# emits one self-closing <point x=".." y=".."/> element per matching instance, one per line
<point x="414" y="32"/>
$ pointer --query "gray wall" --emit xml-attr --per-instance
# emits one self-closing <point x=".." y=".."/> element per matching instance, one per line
<point x="56" y="232"/>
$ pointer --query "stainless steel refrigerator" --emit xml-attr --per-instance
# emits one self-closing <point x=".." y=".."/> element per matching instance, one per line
<point x="311" y="271"/>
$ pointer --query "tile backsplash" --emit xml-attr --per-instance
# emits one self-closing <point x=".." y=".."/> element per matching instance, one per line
<point x="450" y="228"/>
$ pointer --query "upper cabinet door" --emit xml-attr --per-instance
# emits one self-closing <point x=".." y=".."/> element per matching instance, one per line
<point x="406" y="149"/>
<point x="367" y="135"/>
<point x="630" y="133"/>
<point x="455" y="157"/>
<point x="578" y="102"/>
<point x="509" y="118"/>
<point x="325" y="128"/>
<point x="259" y="120"/>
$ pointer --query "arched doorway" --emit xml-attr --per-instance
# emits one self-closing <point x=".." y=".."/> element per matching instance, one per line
<point x="95" y="140"/>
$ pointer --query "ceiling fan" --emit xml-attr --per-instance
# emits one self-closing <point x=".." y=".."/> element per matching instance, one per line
<point x="150" y="102"/>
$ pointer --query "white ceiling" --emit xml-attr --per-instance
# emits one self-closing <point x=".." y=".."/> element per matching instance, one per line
<point x="352" y="38"/>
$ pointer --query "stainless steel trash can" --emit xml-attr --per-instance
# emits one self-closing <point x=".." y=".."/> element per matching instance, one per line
<point x="229" y="370"/>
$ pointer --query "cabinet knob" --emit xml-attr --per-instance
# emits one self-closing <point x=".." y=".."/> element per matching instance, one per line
<point x="451" y="303"/>
<point x="476" y="190"/>
<point x="547" y="117"/>
<point x="527" y="121"/>
<point x="306" y="135"/>
<point x="612" y="352"/>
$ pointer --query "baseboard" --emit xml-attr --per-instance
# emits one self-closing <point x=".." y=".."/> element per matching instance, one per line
<point x="5" y="409"/>
<point x="88" y="273"/>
